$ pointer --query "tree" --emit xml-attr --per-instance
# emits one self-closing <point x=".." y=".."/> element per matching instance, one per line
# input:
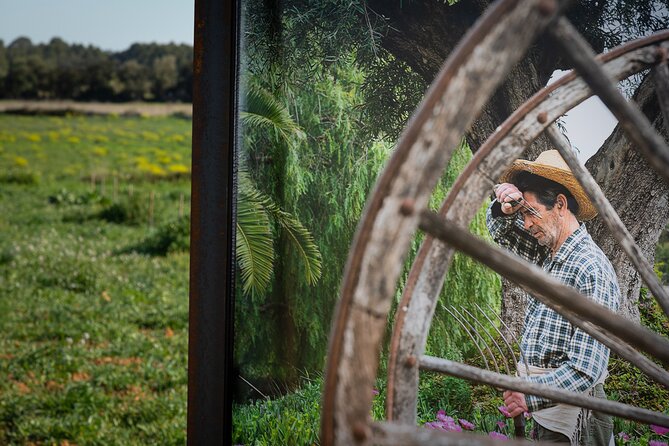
<point x="4" y="67"/>
<point x="423" y="33"/>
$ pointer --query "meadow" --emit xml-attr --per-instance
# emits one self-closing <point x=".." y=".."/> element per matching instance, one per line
<point x="93" y="279"/>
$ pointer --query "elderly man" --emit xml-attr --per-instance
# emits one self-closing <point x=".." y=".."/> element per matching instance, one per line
<point x="536" y="215"/>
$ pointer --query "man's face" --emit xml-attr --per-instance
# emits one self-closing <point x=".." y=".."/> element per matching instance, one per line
<point x="546" y="229"/>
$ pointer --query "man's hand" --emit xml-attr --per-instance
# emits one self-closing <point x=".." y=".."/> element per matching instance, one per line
<point x="505" y="193"/>
<point x="515" y="402"/>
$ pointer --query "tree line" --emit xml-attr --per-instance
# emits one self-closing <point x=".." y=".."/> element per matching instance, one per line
<point x="58" y="70"/>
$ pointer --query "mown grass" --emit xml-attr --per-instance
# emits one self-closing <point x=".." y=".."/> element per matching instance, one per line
<point x="93" y="332"/>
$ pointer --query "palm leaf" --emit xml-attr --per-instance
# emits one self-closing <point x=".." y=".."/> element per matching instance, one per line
<point x="299" y="236"/>
<point x="264" y="111"/>
<point x="302" y="241"/>
<point x="255" y="248"/>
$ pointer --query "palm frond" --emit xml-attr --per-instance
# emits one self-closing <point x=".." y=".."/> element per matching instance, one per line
<point x="264" y="111"/>
<point x="255" y="247"/>
<point x="300" y="237"/>
<point x="302" y="241"/>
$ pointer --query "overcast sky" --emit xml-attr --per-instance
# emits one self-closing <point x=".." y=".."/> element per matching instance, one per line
<point x="116" y="24"/>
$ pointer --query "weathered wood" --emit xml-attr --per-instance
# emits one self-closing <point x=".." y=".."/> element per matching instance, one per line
<point x="394" y="434"/>
<point x="552" y="393"/>
<point x="469" y="77"/>
<point x="426" y="277"/>
<point x="562" y="298"/>
<point x="611" y="218"/>
<point x="637" y="127"/>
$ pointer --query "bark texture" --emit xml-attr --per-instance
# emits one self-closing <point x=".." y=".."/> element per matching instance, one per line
<point x="637" y="192"/>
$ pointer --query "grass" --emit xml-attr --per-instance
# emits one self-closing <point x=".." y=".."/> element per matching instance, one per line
<point x="94" y="298"/>
<point x="93" y="333"/>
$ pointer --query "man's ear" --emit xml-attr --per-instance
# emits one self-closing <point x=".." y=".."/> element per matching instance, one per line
<point x="561" y="202"/>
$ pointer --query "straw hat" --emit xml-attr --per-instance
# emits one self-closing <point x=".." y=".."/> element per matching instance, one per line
<point x="549" y="164"/>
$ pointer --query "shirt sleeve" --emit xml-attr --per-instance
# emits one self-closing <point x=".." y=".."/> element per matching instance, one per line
<point x="508" y="232"/>
<point x="587" y="357"/>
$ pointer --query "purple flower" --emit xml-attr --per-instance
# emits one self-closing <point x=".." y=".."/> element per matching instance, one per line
<point x="659" y="430"/>
<point x="504" y="411"/>
<point x="452" y="426"/>
<point x="501" y="424"/>
<point x="441" y="416"/>
<point x="527" y="415"/>
<point x="624" y="436"/>
<point x="498" y="436"/>
<point x="375" y="392"/>
<point x="657" y="443"/>
<point x="467" y="425"/>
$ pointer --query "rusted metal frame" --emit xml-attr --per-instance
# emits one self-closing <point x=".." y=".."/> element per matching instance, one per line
<point x="471" y="336"/>
<point x="492" y="338"/>
<point x="661" y="78"/>
<point x="211" y="294"/>
<point x="431" y="263"/>
<point x="631" y="119"/>
<point x="395" y="434"/>
<point x="610" y="216"/>
<point x="500" y="38"/>
<point x="627" y="411"/>
<point x="501" y="335"/>
<point x="578" y="309"/>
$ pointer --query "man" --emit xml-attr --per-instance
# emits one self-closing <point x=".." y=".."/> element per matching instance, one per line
<point x="536" y="215"/>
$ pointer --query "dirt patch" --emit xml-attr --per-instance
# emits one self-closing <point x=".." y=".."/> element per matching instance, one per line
<point x="95" y="108"/>
<point x="117" y="361"/>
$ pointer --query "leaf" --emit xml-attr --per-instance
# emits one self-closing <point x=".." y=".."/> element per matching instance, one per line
<point x="264" y="111"/>
<point x="255" y="249"/>
<point x="300" y="237"/>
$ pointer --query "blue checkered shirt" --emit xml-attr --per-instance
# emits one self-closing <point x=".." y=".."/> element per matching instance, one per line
<point x="548" y="339"/>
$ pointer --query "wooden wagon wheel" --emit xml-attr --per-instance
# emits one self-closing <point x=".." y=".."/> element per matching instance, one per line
<point x="394" y="212"/>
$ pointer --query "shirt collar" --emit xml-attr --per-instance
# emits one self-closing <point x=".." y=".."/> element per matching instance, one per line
<point x="570" y="243"/>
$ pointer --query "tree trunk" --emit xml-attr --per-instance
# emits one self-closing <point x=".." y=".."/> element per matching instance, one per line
<point x="638" y="194"/>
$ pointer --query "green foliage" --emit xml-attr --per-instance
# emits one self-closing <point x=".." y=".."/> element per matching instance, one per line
<point x="255" y="245"/>
<point x="263" y="112"/>
<point x="170" y="237"/>
<point x="57" y="70"/>
<point x="19" y="177"/>
<point x="93" y="344"/>
<point x="293" y="419"/>
<point x="130" y="211"/>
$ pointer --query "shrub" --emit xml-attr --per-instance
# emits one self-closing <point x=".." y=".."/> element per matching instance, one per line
<point x="19" y="177"/>
<point x="130" y="211"/>
<point x="171" y="237"/>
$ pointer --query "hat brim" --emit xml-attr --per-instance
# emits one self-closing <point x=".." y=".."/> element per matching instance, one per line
<point x="586" y="209"/>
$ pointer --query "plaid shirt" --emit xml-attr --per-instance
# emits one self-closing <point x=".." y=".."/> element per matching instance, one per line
<point x="549" y="340"/>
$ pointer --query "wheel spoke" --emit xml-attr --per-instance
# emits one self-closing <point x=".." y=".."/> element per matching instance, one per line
<point x="635" y="124"/>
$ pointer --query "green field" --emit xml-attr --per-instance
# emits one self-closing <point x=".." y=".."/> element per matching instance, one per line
<point x="94" y="299"/>
<point x="93" y="279"/>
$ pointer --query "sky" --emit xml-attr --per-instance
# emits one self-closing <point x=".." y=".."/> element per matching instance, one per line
<point x="115" y="25"/>
<point x="108" y="24"/>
